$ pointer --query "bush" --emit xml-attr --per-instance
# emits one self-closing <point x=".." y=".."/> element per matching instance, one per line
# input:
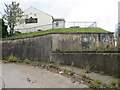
<point x="13" y="59"/>
<point x="3" y="29"/>
<point x="96" y="82"/>
<point x="27" y="61"/>
<point x="69" y="72"/>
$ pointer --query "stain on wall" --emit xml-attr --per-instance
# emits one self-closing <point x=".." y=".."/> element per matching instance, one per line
<point x="40" y="47"/>
<point x="36" y="48"/>
<point x="78" y="41"/>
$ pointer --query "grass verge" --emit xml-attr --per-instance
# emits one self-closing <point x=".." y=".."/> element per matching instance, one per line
<point x="23" y="35"/>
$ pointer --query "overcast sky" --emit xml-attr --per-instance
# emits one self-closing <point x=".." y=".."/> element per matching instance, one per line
<point x="104" y="12"/>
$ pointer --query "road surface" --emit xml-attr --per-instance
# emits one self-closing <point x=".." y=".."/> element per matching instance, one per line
<point x="25" y="76"/>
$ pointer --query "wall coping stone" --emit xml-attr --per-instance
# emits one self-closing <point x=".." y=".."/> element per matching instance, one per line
<point x="60" y="33"/>
<point x="85" y="52"/>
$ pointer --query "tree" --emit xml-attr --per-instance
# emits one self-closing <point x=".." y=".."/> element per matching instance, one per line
<point x="3" y="29"/>
<point x="118" y="38"/>
<point x="13" y="14"/>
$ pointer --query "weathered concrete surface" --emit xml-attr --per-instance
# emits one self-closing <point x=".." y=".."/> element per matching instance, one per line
<point x="104" y="78"/>
<point x="40" y="47"/>
<point x="23" y="76"/>
<point x="77" y="41"/>
<point x="106" y="62"/>
<point x="36" y="48"/>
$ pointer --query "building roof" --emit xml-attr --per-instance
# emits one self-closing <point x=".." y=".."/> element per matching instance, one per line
<point x="59" y="19"/>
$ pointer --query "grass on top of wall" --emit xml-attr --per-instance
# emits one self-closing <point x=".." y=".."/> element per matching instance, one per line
<point x="90" y="29"/>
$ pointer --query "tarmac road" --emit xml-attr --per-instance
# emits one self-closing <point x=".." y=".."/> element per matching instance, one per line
<point x="25" y="76"/>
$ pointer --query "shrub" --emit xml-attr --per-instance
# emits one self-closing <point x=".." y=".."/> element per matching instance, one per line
<point x="57" y="50"/>
<point x="96" y="82"/>
<point x="3" y="29"/>
<point x="114" y="83"/>
<point x="69" y="72"/>
<point x="55" y="67"/>
<point x="27" y="61"/>
<point x="13" y="59"/>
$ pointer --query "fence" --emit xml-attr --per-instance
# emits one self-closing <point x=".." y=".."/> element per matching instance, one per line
<point x="27" y="29"/>
<point x="81" y="24"/>
<point x="34" y="29"/>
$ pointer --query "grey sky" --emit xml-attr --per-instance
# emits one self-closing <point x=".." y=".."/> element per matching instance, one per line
<point x="104" y="12"/>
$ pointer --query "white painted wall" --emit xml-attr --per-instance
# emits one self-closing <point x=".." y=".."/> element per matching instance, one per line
<point x="44" y="21"/>
<point x="119" y="12"/>
<point x="61" y="24"/>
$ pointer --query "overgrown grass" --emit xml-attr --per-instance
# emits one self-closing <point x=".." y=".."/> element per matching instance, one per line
<point x="98" y="83"/>
<point x="69" y="72"/>
<point x="90" y="29"/>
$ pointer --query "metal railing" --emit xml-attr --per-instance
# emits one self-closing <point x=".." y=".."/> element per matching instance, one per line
<point x="34" y="29"/>
<point x="25" y="29"/>
<point x="81" y="24"/>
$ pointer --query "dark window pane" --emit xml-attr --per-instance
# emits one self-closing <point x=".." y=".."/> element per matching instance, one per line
<point x="57" y="24"/>
<point x="31" y="20"/>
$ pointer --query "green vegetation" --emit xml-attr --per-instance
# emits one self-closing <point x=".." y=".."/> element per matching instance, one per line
<point x="3" y="29"/>
<point x="98" y="83"/>
<point x="87" y="69"/>
<point x="69" y="72"/>
<point x="13" y="14"/>
<point x="13" y="59"/>
<point x="118" y="42"/>
<point x="27" y="61"/>
<point x="93" y="83"/>
<point x="106" y="74"/>
<point x="91" y="29"/>
<point x="114" y="84"/>
<point x="55" y="67"/>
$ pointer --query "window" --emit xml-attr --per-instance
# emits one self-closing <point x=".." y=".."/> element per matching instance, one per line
<point x="26" y="16"/>
<point x="31" y="20"/>
<point x="34" y="14"/>
<point x="57" y="24"/>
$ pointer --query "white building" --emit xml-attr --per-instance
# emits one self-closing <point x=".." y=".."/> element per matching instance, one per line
<point x="36" y="20"/>
<point x="59" y="23"/>
<point x="118" y="26"/>
<point x="119" y="14"/>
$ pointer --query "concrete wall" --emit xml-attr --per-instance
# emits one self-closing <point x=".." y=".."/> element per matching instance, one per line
<point x="36" y="48"/>
<point x="106" y="62"/>
<point x="39" y="47"/>
<point x="76" y="41"/>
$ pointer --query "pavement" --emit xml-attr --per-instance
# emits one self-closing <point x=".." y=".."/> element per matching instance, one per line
<point x="26" y="76"/>
<point x="104" y="78"/>
<point x="0" y="75"/>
